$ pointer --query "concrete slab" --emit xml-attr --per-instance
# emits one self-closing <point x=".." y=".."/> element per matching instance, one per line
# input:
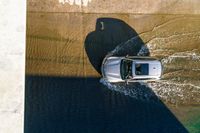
<point x="12" y="65"/>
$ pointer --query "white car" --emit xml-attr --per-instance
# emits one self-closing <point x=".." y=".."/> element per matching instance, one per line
<point x="131" y="68"/>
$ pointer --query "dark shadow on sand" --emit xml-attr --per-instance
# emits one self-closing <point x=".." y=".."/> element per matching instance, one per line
<point x="83" y="105"/>
<point x="110" y="33"/>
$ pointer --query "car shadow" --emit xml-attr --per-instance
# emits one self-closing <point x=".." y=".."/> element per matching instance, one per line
<point x="84" y="105"/>
<point x="110" y="34"/>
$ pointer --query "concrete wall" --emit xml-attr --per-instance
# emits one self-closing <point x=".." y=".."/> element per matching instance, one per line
<point x="12" y="65"/>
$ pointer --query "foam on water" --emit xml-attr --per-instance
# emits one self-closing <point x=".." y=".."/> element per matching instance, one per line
<point x="137" y="90"/>
<point x="143" y="51"/>
<point x="169" y="90"/>
<point x="188" y="55"/>
<point x="130" y="44"/>
<point x="176" y="93"/>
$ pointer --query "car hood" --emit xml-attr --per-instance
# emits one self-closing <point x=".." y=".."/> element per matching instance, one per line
<point x="112" y="68"/>
<point x="155" y="69"/>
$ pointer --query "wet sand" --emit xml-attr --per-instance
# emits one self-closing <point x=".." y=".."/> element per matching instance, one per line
<point x="57" y="39"/>
<point x="56" y="48"/>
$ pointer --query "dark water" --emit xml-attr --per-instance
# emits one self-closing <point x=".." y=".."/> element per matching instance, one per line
<point x="84" y="105"/>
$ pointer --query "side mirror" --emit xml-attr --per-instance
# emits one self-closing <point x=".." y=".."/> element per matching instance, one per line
<point x="126" y="81"/>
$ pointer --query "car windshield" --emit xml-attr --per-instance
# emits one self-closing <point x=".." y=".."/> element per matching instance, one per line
<point x="126" y="69"/>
